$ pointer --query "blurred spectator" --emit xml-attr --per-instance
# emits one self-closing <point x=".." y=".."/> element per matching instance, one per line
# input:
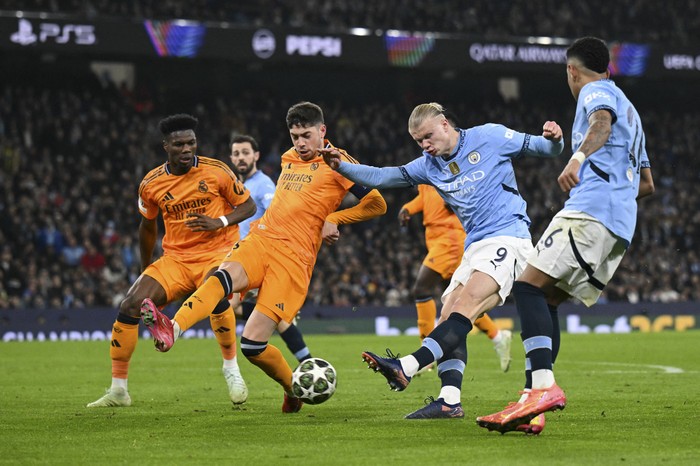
<point x="48" y="237"/>
<point x="72" y="252"/>
<point x="92" y="261"/>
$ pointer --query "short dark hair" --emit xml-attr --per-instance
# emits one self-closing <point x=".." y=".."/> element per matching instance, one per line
<point x="178" y="122"/>
<point x="592" y="52"/>
<point x="237" y="139"/>
<point x="304" y="114"/>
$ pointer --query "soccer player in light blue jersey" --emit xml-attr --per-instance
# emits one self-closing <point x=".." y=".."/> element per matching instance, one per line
<point x="585" y="242"/>
<point x="473" y="172"/>
<point x="245" y="153"/>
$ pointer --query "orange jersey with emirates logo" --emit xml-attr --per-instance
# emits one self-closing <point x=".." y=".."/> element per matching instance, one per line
<point x="438" y="220"/>
<point x="306" y="193"/>
<point x="209" y="188"/>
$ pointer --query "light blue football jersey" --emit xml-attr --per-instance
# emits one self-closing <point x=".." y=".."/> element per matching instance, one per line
<point x="477" y="181"/>
<point x="262" y="190"/>
<point x="609" y="177"/>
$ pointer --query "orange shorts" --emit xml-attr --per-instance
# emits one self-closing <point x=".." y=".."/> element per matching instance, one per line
<point x="180" y="276"/>
<point x="273" y="267"/>
<point x="444" y="256"/>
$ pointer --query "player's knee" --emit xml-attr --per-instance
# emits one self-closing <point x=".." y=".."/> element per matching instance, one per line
<point x="421" y="291"/>
<point x="225" y="279"/>
<point x="130" y="306"/>
<point x="251" y="348"/>
<point x="233" y="275"/>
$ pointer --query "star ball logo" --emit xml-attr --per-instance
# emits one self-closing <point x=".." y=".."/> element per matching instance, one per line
<point x="263" y="43"/>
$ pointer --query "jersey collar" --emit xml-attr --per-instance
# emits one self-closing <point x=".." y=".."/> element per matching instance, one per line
<point x="195" y="163"/>
<point x="460" y="143"/>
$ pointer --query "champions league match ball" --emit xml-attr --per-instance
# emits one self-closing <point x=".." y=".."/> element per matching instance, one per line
<point x="314" y="381"/>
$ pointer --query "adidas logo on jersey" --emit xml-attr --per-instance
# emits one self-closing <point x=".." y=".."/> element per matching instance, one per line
<point x="280" y="306"/>
<point x="168" y="197"/>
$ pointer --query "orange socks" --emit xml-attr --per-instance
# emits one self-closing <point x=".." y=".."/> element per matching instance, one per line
<point x="124" y="338"/>
<point x="200" y="304"/>
<point x="486" y="325"/>
<point x="274" y="365"/>
<point x="427" y="312"/>
<point x="224" y="327"/>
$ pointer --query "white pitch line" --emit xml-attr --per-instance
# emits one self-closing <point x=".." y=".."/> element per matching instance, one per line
<point x="664" y="369"/>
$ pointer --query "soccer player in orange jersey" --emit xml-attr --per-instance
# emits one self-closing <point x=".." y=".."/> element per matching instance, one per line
<point x="444" y="238"/>
<point x="201" y="202"/>
<point x="245" y="153"/>
<point x="279" y="254"/>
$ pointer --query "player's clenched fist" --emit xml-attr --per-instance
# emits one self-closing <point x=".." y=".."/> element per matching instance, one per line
<point x="552" y="131"/>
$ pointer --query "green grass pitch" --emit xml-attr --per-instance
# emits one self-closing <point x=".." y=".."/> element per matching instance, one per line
<point x="632" y="399"/>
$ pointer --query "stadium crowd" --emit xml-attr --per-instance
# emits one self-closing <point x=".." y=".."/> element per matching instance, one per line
<point x="73" y="155"/>
<point x="632" y="20"/>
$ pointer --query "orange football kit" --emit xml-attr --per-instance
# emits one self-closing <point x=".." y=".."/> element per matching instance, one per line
<point x="444" y="234"/>
<point x="279" y="253"/>
<point x="209" y="188"/>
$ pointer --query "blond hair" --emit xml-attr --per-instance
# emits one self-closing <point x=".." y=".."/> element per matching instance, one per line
<point x="424" y="112"/>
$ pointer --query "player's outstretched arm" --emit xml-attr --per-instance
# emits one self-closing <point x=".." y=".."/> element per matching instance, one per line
<point x="550" y="144"/>
<point x="372" y="204"/>
<point x="371" y="177"/>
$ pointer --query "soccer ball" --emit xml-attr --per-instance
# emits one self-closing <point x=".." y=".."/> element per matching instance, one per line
<point x="314" y="381"/>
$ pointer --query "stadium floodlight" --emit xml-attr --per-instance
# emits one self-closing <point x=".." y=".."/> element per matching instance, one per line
<point x="397" y="33"/>
<point x="545" y="40"/>
<point x="360" y="31"/>
<point x="185" y="22"/>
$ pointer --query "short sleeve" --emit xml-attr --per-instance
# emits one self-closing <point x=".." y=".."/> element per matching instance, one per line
<point x="598" y="98"/>
<point x="147" y="207"/>
<point x="506" y="141"/>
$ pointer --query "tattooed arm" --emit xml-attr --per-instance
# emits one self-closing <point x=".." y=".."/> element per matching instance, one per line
<point x="599" y="129"/>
